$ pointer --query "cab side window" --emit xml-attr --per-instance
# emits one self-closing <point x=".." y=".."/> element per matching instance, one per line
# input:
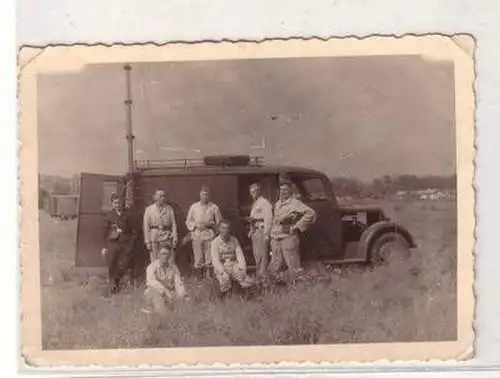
<point x="311" y="188"/>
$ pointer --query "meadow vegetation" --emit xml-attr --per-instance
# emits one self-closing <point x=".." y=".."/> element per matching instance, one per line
<point x="410" y="300"/>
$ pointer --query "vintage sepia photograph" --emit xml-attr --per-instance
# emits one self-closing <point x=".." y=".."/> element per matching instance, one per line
<point x="268" y="196"/>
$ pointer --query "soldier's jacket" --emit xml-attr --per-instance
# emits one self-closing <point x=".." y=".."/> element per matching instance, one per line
<point x="119" y="220"/>
<point x="167" y="280"/>
<point x="159" y="223"/>
<point x="261" y="215"/>
<point x="202" y="220"/>
<point x="291" y="212"/>
<point x="227" y="251"/>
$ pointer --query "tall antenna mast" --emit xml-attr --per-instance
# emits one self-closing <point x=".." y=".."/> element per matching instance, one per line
<point x="128" y="103"/>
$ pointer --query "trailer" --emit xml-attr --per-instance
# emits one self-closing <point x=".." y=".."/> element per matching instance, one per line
<point x="63" y="206"/>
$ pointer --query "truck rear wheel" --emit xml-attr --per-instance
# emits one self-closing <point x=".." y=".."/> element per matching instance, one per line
<point x="389" y="247"/>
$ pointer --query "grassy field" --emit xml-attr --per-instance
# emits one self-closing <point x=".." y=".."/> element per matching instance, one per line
<point x="411" y="300"/>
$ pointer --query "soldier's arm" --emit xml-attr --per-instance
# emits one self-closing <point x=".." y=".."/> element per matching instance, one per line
<point x="180" y="289"/>
<point x="190" y="223"/>
<point x="151" y="280"/>
<point x="146" y="224"/>
<point x="174" y="222"/>
<point x="217" y="214"/>
<point x="216" y="256"/>
<point x="107" y="227"/>
<point x="268" y="218"/>
<point x="240" y="257"/>
<point x="308" y="217"/>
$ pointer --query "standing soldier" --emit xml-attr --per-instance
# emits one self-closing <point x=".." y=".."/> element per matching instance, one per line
<point x="261" y="217"/>
<point x="120" y="239"/>
<point x="291" y="216"/>
<point x="202" y="220"/>
<point x="160" y="228"/>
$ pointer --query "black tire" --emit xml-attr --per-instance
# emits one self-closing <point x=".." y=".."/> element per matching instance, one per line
<point x="388" y="247"/>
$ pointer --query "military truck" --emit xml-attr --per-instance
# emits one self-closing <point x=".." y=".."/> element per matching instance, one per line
<point x="340" y="235"/>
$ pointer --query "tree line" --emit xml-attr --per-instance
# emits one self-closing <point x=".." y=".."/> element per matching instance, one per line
<point x="343" y="186"/>
<point x="59" y="185"/>
<point x="387" y="185"/>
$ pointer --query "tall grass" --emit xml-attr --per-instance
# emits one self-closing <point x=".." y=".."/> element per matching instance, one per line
<point x="411" y="300"/>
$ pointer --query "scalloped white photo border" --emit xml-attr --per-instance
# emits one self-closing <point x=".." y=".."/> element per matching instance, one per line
<point x="57" y="59"/>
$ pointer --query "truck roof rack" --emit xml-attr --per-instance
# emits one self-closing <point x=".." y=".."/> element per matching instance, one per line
<point x="219" y="161"/>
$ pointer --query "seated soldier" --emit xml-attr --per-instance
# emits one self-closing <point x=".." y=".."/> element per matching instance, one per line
<point x="164" y="284"/>
<point x="228" y="259"/>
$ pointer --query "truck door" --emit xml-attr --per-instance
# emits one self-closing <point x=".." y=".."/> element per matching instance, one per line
<point x="95" y="201"/>
<point x="324" y="239"/>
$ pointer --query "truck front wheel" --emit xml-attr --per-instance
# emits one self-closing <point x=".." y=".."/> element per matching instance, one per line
<point x="389" y="247"/>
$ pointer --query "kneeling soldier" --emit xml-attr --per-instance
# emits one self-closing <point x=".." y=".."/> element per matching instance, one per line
<point x="164" y="284"/>
<point x="228" y="259"/>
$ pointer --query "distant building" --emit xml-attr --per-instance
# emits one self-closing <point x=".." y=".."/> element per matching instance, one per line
<point x="432" y="194"/>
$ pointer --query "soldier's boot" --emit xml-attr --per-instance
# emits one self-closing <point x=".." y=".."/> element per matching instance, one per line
<point x="209" y="272"/>
<point x="114" y="287"/>
<point x="223" y="295"/>
<point x="198" y="274"/>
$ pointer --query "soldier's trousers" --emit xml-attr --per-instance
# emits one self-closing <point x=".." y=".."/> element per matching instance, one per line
<point x="155" y="251"/>
<point x="260" y="253"/>
<point x="231" y="272"/>
<point x="202" y="252"/>
<point x="285" y="250"/>
<point x="120" y="259"/>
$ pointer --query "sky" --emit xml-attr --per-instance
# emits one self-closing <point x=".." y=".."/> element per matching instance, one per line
<point x="360" y="117"/>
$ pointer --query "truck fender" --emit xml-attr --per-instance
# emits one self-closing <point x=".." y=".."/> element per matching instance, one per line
<point x="377" y="229"/>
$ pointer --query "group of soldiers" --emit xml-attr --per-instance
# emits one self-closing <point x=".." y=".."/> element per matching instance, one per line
<point x="273" y="230"/>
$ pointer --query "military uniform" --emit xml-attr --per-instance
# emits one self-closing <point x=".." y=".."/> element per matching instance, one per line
<point x="261" y="217"/>
<point x="229" y="263"/>
<point x="160" y="228"/>
<point x="290" y="215"/>
<point x="201" y="222"/>
<point x="164" y="285"/>
<point x="120" y="239"/>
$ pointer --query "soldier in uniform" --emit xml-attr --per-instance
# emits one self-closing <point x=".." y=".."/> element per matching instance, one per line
<point x="202" y="220"/>
<point x="291" y="216"/>
<point x="120" y="236"/>
<point x="164" y="284"/>
<point x="228" y="259"/>
<point x="261" y="217"/>
<point x="160" y="227"/>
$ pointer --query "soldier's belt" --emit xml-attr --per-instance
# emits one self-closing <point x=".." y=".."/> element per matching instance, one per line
<point x="161" y="228"/>
<point x="231" y="259"/>
<point x="256" y="220"/>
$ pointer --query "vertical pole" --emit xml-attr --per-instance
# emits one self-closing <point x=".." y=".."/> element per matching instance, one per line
<point x="128" y="103"/>
<point x="129" y="184"/>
